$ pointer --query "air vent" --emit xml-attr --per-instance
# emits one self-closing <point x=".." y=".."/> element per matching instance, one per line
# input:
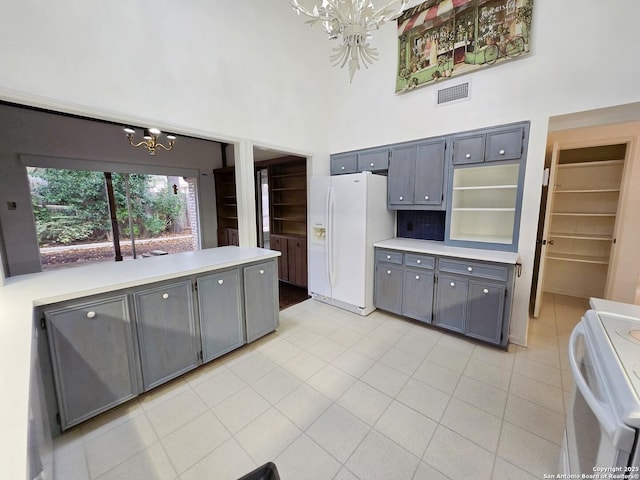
<point x="453" y="94"/>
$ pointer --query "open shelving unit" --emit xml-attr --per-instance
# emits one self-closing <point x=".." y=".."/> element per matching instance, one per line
<point x="586" y="193"/>
<point x="484" y="203"/>
<point x="226" y="206"/>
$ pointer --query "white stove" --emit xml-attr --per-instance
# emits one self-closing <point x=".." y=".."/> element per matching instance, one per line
<point x="603" y="420"/>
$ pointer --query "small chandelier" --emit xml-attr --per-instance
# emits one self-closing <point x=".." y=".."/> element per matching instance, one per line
<point x="150" y="140"/>
<point x="354" y="20"/>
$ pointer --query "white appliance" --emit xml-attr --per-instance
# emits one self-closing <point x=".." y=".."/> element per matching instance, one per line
<point x="603" y="419"/>
<point x="348" y="213"/>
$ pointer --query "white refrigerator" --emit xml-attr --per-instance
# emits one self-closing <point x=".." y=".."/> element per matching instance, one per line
<point x="348" y="213"/>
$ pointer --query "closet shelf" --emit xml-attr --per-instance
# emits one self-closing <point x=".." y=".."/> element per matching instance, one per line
<point x="578" y="258"/>
<point x="581" y="236"/>
<point x="592" y="190"/>
<point x="583" y="214"/>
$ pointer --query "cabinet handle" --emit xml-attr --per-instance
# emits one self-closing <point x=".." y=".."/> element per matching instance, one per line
<point x="165" y="295"/>
<point x="426" y="197"/>
<point x="261" y="272"/>
<point x="551" y="242"/>
<point x="91" y="314"/>
<point x="453" y="284"/>
<point x="400" y="198"/>
<point x="388" y="272"/>
<point x="372" y="165"/>
<point x="417" y="277"/>
<point x="220" y="282"/>
<point x="501" y="152"/>
<point x="388" y="257"/>
<point x="341" y="168"/>
<point x="469" y="269"/>
<point x="468" y="155"/>
<point x="485" y="291"/>
<point x="418" y="262"/>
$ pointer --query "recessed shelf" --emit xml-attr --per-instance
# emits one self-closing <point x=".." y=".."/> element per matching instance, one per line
<point x="288" y="189"/>
<point x="504" y="239"/>
<point x="603" y="163"/>
<point x="583" y="214"/>
<point x="592" y="190"/>
<point x="477" y="209"/>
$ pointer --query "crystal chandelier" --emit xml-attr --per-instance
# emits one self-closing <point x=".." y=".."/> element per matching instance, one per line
<point x="354" y="20"/>
<point x="150" y="140"/>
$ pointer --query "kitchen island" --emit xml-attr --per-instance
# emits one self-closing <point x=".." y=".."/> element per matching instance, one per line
<point x="26" y="443"/>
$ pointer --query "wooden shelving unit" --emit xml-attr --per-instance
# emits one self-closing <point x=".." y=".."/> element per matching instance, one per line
<point x="288" y="218"/>
<point x="226" y="206"/>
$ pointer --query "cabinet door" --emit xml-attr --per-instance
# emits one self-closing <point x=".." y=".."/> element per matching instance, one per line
<point x="484" y="315"/>
<point x="94" y="359"/>
<point x="468" y="148"/>
<point x="373" y="160"/>
<point x="260" y="299"/>
<point x="451" y="303"/>
<point x="344" y="163"/>
<point x="297" y="253"/>
<point x="388" y="287"/>
<point x="504" y="144"/>
<point x="401" y="176"/>
<point x="220" y="306"/>
<point x="417" y="295"/>
<point x="429" y="174"/>
<point x="276" y="242"/>
<point x="166" y="332"/>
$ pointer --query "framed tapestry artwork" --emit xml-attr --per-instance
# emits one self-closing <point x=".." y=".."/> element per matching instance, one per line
<point x="439" y="39"/>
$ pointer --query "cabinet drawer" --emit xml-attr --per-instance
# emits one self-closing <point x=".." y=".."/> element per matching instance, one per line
<point x="468" y="149"/>
<point x="504" y="144"/>
<point x="390" y="256"/>
<point x="344" y="163"/>
<point x="419" y="260"/>
<point x="374" y="160"/>
<point x="474" y="269"/>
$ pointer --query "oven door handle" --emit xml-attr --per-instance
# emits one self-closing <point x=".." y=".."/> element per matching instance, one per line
<point x="600" y="410"/>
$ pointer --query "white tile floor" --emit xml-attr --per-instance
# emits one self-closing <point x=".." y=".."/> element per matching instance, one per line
<point x="332" y="395"/>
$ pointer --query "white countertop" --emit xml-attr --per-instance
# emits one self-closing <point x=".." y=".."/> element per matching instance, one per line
<point x="439" y="248"/>
<point x="21" y="293"/>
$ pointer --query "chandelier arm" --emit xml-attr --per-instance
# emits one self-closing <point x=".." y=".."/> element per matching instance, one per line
<point x="164" y="147"/>
<point x="139" y="144"/>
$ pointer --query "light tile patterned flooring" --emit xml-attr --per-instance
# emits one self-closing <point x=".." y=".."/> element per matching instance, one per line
<point x="332" y="395"/>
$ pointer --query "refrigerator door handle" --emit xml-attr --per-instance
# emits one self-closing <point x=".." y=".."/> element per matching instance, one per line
<point x="330" y="207"/>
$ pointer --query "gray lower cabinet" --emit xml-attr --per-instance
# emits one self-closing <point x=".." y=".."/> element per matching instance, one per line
<point x="469" y="297"/>
<point x="388" y="287"/>
<point x="167" y="337"/>
<point x="94" y="359"/>
<point x="451" y="303"/>
<point x="417" y="294"/>
<point x="260" y="299"/>
<point x="220" y="308"/>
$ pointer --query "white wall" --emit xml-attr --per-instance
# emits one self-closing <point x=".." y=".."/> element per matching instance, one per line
<point x="582" y="58"/>
<point x="252" y="70"/>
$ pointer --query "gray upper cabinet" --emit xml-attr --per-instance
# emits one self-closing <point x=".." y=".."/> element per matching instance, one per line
<point x="416" y="176"/>
<point x="220" y="307"/>
<point x="493" y="144"/>
<point x="369" y="160"/>
<point x="260" y="299"/>
<point x="95" y="363"/>
<point x="468" y="148"/>
<point x="166" y="331"/>
<point x="343" y="163"/>
<point x="374" y="160"/>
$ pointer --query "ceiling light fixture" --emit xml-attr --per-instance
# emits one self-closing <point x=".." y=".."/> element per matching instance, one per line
<point x="150" y="140"/>
<point x="354" y="20"/>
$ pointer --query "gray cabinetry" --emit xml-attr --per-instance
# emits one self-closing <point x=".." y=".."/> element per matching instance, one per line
<point x="388" y="286"/>
<point x="494" y="144"/>
<point x="93" y="354"/>
<point x="166" y="331"/>
<point x="260" y="299"/>
<point x="374" y="160"/>
<point x="369" y="160"/>
<point x="469" y="297"/>
<point x="451" y="303"/>
<point x="220" y="308"/>
<point x="416" y="175"/>
<point x="344" y="163"/>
